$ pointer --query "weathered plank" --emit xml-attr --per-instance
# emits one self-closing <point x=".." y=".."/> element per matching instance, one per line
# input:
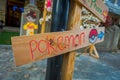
<point x="69" y="58"/>
<point x="97" y="7"/>
<point x="99" y="10"/>
<point x="40" y="46"/>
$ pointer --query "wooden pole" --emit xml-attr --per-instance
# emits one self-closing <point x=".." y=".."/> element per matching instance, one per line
<point x="69" y="59"/>
<point x="44" y="18"/>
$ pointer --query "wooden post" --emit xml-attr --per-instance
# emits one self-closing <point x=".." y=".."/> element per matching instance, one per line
<point x="44" y="18"/>
<point x="69" y="59"/>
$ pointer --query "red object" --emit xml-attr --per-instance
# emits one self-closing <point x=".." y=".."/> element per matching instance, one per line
<point x="30" y="27"/>
<point x="48" y="3"/>
<point x="108" y="21"/>
<point x="93" y="32"/>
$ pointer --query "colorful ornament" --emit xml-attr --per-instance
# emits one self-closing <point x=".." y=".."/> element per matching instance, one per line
<point x="89" y="20"/>
<point x="49" y="5"/>
<point x="30" y="25"/>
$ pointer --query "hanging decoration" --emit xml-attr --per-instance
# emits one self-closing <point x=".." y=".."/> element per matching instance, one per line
<point x="49" y="5"/>
<point x="30" y="25"/>
<point x="47" y="13"/>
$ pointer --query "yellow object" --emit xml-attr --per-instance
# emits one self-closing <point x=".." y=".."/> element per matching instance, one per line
<point x="41" y="21"/>
<point x="92" y="48"/>
<point x="30" y="26"/>
<point x="44" y="18"/>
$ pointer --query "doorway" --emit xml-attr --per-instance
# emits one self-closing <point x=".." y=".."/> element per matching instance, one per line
<point x="13" y="12"/>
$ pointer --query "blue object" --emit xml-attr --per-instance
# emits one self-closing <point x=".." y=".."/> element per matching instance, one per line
<point x="101" y="35"/>
<point x="21" y="9"/>
<point x="15" y="8"/>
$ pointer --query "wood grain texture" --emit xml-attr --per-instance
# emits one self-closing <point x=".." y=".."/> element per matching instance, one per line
<point x="28" y="49"/>
<point x="69" y="58"/>
<point x="44" y="18"/>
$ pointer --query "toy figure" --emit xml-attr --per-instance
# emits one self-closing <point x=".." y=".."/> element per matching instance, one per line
<point x="30" y="25"/>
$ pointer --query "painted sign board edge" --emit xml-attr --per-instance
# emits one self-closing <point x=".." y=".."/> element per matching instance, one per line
<point x="15" y="47"/>
<point x="86" y="4"/>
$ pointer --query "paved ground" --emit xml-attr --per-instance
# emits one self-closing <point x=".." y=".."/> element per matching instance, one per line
<point x="86" y="67"/>
<point x="105" y="68"/>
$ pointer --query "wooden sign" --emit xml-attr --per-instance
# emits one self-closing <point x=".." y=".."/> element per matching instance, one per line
<point x="28" y="49"/>
<point x="97" y="7"/>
